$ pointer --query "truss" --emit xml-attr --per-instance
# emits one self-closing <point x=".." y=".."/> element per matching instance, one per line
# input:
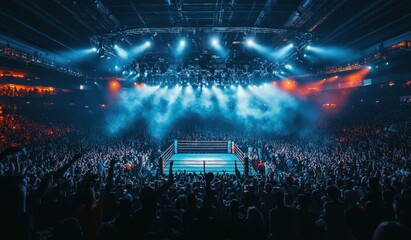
<point x="179" y="30"/>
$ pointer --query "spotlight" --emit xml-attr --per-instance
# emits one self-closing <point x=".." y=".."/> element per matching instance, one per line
<point x="288" y="66"/>
<point x="387" y="63"/>
<point x="250" y="42"/>
<point x="148" y="43"/>
<point x="291" y="45"/>
<point x="182" y="43"/>
<point x="305" y="55"/>
<point x="308" y="48"/>
<point x="215" y="42"/>
<point x="181" y="46"/>
<point x="369" y="67"/>
<point x="94" y="49"/>
<point x="120" y="51"/>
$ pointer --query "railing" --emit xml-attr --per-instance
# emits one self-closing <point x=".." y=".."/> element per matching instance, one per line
<point x="166" y="155"/>
<point x="240" y="155"/>
<point x="185" y="146"/>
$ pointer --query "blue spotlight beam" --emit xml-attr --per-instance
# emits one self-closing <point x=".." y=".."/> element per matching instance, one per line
<point x="269" y="52"/>
<point x="121" y="52"/>
<point x="181" y="46"/>
<point x="215" y="43"/>
<point x="140" y="48"/>
<point x="281" y="52"/>
<point x="331" y="53"/>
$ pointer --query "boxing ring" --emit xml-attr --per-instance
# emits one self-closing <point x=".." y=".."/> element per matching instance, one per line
<point x="195" y="156"/>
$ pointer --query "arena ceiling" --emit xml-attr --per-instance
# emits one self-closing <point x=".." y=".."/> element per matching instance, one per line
<point x="67" y="25"/>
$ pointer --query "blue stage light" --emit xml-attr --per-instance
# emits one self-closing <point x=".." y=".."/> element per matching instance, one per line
<point x="215" y="42"/>
<point x="250" y="42"/>
<point x="181" y="46"/>
<point x="182" y="43"/>
<point x="120" y="51"/>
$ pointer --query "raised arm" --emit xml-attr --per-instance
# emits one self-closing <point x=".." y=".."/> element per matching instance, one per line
<point x="109" y="184"/>
<point x="163" y="188"/>
<point x="59" y="173"/>
<point x="45" y="181"/>
<point x="207" y="196"/>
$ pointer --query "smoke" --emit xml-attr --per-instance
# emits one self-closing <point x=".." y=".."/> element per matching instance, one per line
<point x="266" y="109"/>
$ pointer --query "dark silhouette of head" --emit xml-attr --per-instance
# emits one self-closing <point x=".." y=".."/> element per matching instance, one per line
<point x="255" y="217"/>
<point x="373" y="183"/>
<point x="234" y="206"/>
<point x="67" y="229"/>
<point x="333" y="192"/>
<point x="391" y="230"/>
<point x="279" y="198"/>
<point x="125" y="206"/>
<point x="304" y="202"/>
<point x="147" y="198"/>
<point x="191" y="201"/>
<point x="402" y="209"/>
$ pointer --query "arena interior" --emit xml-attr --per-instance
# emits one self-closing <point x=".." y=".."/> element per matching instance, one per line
<point x="213" y="119"/>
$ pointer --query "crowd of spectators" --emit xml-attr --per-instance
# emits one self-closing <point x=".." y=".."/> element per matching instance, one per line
<point x="17" y="129"/>
<point x="31" y="92"/>
<point x="349" y="179"/>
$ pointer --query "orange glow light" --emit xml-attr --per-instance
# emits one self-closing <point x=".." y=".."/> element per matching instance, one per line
<point x="4" y="73"/>
<point x="114" y="86"/>
<point x="288" y="85"/>
<point x="139" y="85"/>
